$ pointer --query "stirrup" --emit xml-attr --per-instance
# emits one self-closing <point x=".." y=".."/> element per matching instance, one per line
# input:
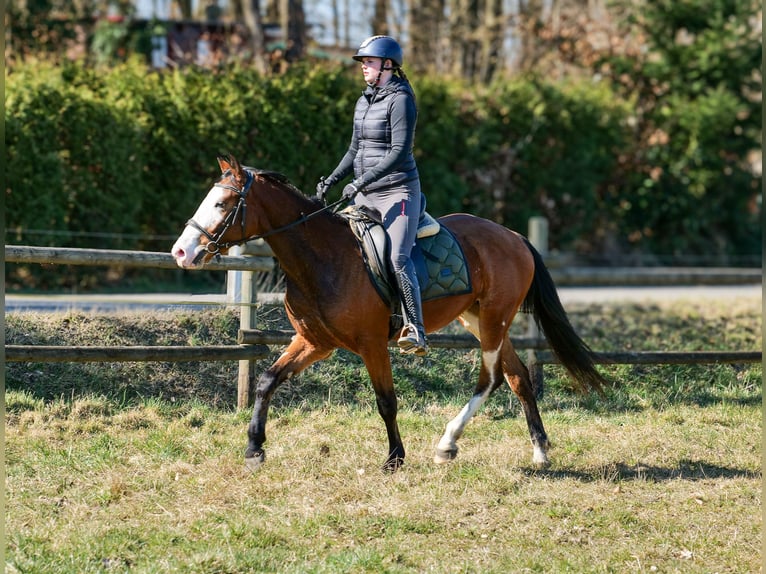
<point x="411" y="342"/>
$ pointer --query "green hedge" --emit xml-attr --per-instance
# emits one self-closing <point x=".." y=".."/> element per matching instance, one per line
<point x="132" y="151"/>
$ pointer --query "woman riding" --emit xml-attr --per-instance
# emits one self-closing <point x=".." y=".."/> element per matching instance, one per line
<point x="386" y="180"/>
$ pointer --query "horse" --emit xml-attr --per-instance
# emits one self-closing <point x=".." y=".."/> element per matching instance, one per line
<point x="326" y="286"/>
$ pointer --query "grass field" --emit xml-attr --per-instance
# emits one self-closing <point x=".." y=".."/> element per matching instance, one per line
<point x="138" y="468"/>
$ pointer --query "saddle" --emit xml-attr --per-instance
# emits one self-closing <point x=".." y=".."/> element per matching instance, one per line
<point x="439" y="260"/>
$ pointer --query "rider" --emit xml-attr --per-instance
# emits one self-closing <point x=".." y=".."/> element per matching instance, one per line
<point x="386" y="180"/>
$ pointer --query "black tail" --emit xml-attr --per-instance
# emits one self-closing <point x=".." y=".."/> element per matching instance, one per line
<point x="543" y="302"/>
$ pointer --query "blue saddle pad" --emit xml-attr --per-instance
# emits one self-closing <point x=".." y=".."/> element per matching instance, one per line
<point x="441" y="266"/>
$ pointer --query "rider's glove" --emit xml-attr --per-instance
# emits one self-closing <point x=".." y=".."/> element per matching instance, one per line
<point x="323" y="187"/>
<point x="350" y="191"/>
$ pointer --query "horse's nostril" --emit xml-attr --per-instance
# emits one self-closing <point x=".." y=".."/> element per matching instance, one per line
<point x="178" y="253"/>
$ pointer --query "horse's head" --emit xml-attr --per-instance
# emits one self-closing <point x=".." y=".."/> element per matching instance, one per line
<point x="219" y="222"/>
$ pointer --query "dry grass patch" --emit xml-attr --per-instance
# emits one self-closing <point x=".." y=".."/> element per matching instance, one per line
<point x="662" y="475"/>
<point x="176" y="496"/>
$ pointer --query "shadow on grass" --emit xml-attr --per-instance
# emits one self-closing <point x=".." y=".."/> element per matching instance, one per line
<point x="620" y="472"/>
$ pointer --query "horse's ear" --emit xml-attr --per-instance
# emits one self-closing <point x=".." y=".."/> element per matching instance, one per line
<point x="237" y="171"/>
<point x="223" y="161"/>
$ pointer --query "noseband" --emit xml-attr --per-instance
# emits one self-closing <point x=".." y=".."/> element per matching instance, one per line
<point x="214" y="244"/>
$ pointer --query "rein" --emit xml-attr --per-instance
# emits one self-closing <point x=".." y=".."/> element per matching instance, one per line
<point x="214" y="245"/>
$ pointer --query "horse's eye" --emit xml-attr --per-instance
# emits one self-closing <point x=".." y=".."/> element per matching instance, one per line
<point x="220" y="205"/>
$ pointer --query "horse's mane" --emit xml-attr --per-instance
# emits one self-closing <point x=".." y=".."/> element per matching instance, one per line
<point x="282" y="180"/>
<point x="274" y="177"/>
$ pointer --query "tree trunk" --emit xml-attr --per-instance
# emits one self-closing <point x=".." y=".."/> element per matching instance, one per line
<point x="379" y="22"/>
<point x="530" y="17"/>
<point x="293" y="24"/>
<point x="335" y="23"/>
<point x="426" y="30"/>
<point x="464" y="36"/>
<point x="491" y="40"/>
<point x="251" y="13"/>
<point x="185" y="7"/>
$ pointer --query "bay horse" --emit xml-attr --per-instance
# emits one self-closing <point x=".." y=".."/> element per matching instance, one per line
<point x="331" y="301"/>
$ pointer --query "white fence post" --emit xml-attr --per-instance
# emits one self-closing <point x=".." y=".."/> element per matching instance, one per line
<point x="538" y="237"/>
<point x="234" y="280"/>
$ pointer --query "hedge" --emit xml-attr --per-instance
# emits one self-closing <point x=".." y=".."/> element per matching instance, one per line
<point x="131" y="151"/>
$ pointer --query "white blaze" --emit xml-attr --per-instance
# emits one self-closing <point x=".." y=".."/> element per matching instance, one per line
<point x="208" y="216"/>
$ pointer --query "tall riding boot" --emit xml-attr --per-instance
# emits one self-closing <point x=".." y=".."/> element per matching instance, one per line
<point x="413" y="338"/>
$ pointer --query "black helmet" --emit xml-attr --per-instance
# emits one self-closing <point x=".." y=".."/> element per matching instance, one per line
<point x="380" y="47"/>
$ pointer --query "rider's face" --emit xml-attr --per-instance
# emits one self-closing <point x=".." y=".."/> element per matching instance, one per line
<point x="371" y="68"/>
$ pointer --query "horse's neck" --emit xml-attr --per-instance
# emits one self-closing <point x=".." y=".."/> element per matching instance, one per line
<point x="302" y="249"/>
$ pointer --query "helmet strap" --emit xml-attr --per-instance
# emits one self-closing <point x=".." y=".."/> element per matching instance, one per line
<point x="380" y="72"/>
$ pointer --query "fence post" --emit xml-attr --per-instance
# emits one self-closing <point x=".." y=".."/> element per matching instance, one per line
<point x="538" y="237"/>
<point x="234" y="281"/>
<point x="241" y="289"/>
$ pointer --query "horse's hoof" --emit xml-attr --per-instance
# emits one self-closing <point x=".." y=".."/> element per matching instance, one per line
<point x="445" y="456"/>
<point x="253" y="461"/>
<point x="393" y="464"/>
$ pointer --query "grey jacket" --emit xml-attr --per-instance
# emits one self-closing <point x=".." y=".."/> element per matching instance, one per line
<point x="380" y="152"/>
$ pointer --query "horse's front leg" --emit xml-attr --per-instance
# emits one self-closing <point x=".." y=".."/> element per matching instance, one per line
<point x="298" y="355"/>
<point x="378" y="363"/>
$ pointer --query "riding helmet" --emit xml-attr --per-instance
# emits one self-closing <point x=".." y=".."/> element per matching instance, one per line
<point x="380" y="47"/>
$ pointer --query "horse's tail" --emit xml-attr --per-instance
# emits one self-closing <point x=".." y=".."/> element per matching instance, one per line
<point x="543" y="302"/>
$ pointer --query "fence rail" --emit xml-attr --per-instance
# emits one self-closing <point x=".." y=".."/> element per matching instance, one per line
<point x="261" y="261"/>
<point x="136" y="353"/>
<point x="259" y="350"/>
<point x="77" y="256"/>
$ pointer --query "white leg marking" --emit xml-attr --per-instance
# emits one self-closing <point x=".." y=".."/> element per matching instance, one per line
<point x="539" y="457"/>
<point x="457" y="425"/>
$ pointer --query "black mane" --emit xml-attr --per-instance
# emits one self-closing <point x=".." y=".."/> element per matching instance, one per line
<point x="273" y="177"/>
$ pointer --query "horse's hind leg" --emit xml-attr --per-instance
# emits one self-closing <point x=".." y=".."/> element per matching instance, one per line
<point x="490" y="377"/>
<point x="499" y="360"/>
<point x="517" y="376"/>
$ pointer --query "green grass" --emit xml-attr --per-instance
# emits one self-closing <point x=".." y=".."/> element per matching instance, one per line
<point x="139" y="468"/>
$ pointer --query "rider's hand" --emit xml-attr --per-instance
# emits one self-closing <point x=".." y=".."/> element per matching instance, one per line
<point x="350" y="191"/>
<point x="322" y="188"/>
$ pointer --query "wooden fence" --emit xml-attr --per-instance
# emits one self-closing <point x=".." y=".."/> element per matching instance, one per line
<point x="252" y="344"/>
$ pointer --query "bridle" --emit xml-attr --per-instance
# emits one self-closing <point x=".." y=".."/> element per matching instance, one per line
<point x="214" y="244"/>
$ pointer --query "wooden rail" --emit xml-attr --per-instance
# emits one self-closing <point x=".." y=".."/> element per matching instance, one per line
<point x="258" y="349"/>
<point x="435" y="340"/>
<point x="73" y="256"/>
<point x="457" y="341"/>
<point x="655" y="276"/>
<point x="261" y="261"/>
<point x="137" y="353"/>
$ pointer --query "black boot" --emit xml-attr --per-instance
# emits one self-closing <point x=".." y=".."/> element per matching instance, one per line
<point x="412" y="339"/>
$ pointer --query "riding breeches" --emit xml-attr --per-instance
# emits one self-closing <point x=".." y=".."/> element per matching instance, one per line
<point x="399" y="210"/>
